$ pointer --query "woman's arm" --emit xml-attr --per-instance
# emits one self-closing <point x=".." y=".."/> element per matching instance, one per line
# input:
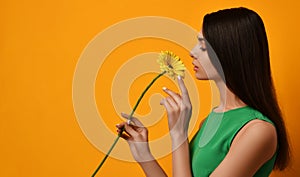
<point x="181" y="161"/>
<point x="181" y="156"/>
<point x="255" y="144"/>
<point x="179" y="111"/>
<point x="137" y="138"/>
<point x="152" y="169"/>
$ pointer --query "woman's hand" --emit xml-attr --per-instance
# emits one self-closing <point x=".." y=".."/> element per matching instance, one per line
<point x="179" y="110"/>
<point x="137" y="137"/>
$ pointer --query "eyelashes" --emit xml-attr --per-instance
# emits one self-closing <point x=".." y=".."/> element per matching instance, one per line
<point x="202" y="48"/>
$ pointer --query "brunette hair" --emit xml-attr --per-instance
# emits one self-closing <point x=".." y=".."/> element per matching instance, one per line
<point x="238" y="39"/>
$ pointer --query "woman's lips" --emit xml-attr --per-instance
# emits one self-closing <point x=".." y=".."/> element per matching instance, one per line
<point x="195" y="68"/>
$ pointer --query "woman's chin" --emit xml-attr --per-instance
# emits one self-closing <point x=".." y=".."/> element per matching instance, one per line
<point x="201" y="77"/>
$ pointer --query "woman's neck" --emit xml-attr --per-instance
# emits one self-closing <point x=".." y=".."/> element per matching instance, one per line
<point x="228" y="100"/>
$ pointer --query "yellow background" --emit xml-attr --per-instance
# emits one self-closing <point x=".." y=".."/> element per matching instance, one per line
<point x="40" y="43"/>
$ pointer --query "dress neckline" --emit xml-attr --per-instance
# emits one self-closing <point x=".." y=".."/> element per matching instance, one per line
<point x="230" y="110"/>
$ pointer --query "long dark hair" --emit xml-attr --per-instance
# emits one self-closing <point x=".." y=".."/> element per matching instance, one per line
<point x="238" y="38"/>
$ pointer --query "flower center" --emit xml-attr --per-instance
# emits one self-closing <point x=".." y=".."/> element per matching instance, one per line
<point x="170" y="66"/>
<point x="169" y="62"/>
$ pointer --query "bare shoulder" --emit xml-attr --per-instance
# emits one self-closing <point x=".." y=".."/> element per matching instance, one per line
<point x="262" y="137"/>
<point x="253" y="146"/>
<point x="258" y="129"/>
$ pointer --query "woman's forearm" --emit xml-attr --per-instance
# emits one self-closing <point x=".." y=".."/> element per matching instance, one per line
<point x="181" y="159"/>
<point x="152" y="169"/>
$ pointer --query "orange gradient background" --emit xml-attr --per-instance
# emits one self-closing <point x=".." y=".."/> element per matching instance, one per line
<point x="41" y="42"/>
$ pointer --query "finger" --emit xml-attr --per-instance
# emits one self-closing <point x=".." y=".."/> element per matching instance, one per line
<point x="167" y="105"/>
<point x="172" y="94"/>
<point x="137" y="129"/>
<point x="120" y="125"/>
<point x="126" y="116"/>
<point x="124" y="135"/>
<point x="121" y="132"/>
<point x="133" y="119"/>
<point x="172" y="103"/>
<point x="183" y="89"/>
<point x="130" y="131"/>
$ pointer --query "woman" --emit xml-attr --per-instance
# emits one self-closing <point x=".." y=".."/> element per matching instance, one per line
<point x="245" y="135"/>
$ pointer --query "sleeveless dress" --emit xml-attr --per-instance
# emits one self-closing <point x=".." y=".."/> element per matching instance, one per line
<point x="212" y="142"/>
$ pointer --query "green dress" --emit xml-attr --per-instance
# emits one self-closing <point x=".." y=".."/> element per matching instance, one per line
<point x="212" y="142"/>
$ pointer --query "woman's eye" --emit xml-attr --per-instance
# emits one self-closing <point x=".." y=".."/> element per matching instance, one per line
<point x="202" y="48"/>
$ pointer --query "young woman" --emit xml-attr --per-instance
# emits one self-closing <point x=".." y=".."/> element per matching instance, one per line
<point x="245" y="135"/>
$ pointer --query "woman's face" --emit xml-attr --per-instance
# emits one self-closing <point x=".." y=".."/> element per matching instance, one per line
<point x="204" y="69"/>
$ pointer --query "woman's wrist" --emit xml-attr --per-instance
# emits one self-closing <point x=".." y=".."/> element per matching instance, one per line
<point x="178" y="138"/>
<point x="142" y="156"/>
<point x="145" y="157"/>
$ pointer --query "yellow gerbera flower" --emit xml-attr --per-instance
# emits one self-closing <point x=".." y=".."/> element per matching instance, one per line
<point x="171" y="64"/>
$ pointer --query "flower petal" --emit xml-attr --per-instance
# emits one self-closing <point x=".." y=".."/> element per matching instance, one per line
<point x="171" y="64"/>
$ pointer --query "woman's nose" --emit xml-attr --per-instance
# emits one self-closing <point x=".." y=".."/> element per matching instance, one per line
<point x="192" y="54"/>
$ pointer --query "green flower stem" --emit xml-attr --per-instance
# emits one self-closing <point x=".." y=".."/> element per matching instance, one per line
<point x="130" y="117"/>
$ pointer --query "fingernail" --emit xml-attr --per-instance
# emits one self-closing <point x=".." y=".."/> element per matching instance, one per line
<point x="128" y="122"/>
<point x="117" y="125"/>
<point x="179" y="77"/>
<point x="164" y="88"/>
